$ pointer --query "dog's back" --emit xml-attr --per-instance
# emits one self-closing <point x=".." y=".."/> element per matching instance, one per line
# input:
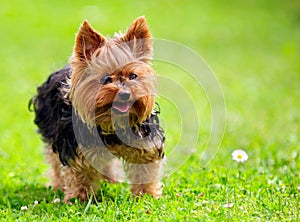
<point x="49" y="103"/>
<point x="53" y="114"/>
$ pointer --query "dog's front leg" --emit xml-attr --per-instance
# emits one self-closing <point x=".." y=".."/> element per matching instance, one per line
<point x="146" y="178"/>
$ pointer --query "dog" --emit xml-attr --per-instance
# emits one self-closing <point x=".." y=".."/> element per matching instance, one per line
<point x="98" y="114"/>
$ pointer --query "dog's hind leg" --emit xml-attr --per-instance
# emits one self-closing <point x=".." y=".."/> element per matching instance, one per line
<point x="54" y="172"/>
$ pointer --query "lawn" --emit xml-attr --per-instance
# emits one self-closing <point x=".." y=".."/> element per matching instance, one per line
<point x="253" y="49"/>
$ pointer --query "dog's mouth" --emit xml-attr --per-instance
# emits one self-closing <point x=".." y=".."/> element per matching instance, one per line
<point x="121" y="107"/>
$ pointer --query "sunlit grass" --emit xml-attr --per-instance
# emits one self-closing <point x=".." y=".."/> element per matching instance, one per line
<point x="253" y="47"/>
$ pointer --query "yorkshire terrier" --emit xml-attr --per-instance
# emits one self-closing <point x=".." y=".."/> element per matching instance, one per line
<point x="101" y="109"/>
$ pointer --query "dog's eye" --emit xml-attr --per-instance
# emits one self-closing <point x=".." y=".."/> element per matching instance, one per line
<point x="105" y="79"/>
<point x="132" y="76"/>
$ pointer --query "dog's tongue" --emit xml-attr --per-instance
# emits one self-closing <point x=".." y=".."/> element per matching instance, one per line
<point x="121" y="107"/>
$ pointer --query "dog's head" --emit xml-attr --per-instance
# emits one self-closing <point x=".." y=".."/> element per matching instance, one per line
<point x="112" y="76"/>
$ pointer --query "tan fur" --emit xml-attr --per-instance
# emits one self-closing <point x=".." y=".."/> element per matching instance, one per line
<point x="95" y="56"/>
<point x="88" y="87"/>
<point x="142" y="166"/>
<point x="81" y="178"/>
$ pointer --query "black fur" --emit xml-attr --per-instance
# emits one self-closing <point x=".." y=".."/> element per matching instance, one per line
<point x="57" y="121"/>
<point x="53" y="115"/>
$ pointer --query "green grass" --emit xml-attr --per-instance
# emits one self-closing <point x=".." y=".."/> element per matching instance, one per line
<point x="252" y="46"/>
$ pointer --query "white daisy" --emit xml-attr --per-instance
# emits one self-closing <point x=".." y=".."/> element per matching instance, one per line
<point x="239" y="156"/>
<point x="24" y="208"/>
<point x="56" y="200"/>
<point x="228" y="205"/>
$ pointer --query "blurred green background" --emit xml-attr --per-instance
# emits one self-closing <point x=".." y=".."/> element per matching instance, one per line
<point x="252" y="46"/>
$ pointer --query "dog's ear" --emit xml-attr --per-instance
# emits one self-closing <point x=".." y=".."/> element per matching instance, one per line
<point x="87" y="41"/>
<point x="139" y="38"/>
<point x="138" y="29"/>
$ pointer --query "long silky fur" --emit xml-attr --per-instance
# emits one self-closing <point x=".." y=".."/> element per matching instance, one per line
<point x="56" y="120"/>
<point x="73" y="114"/>
<point x="53" y="115"/>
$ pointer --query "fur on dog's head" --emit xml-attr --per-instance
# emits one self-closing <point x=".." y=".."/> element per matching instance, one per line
<point x="113" y="75"/>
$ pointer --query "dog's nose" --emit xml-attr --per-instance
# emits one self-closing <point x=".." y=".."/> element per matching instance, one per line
<point x="124" y="95"/>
